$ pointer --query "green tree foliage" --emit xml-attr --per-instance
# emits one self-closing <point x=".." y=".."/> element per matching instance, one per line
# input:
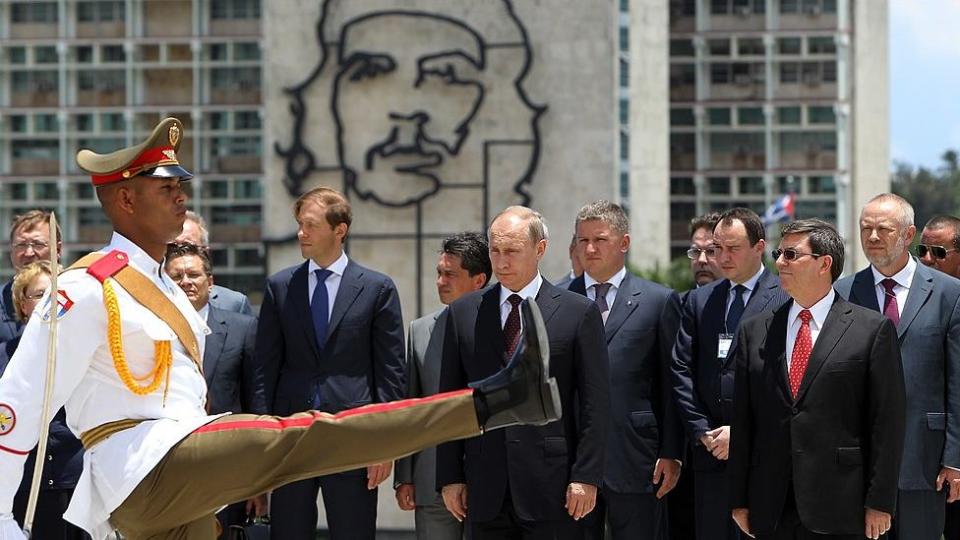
<point x="931" y="191"/>
<point x="676" y="275"/>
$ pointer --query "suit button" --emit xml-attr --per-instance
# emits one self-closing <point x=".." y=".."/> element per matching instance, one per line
<point x="794" y="410"/>
<point x="49" y="482"/>
<point x="50" y="457"/>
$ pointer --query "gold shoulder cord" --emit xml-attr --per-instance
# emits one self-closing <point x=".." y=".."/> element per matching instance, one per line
<point x="163" y="353"/>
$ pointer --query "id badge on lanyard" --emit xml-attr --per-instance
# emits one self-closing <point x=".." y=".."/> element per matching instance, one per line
<point x="724" y="341"/>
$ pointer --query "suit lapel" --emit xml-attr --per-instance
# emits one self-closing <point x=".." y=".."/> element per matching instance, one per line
<point x="350" y="287"/>
<point x="919" y="292"/>
<point x="299" y="295"/>
<point x="760" y="297"/>
<point x="488" y="323"/>
<point x="213" y="345"/>
<point x="548" y="300"/>
<point x="863" y="290"/>
<point x="775" y="349"/>
<point x="834" y="326"/>
<point x="628" y="296"/>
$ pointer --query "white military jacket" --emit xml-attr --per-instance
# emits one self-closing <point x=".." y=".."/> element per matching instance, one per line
<point x="87" y="384"/>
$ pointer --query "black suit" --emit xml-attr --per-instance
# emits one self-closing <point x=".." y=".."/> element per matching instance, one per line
<point x="929" y="338"/>
<point x="838" y="446"/>
<point x="524" y="471"/>
<point x="703" y="387"/>
<point x="640" y="330"/>
<point x="361" y="362"/>
<point x="9" y="327"/>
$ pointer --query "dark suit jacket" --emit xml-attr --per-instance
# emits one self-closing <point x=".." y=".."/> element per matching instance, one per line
<point x="362" y="360"/>
<point x="640" y="330"/>
<point x="841" y="441"/>
<point x="229" y="365"/>
<point x="424" y="353"/>
<point x="703" y="383"/>
<point x="9" y="327"/>
<point x="929" y="336"/>
<point x="230" y="300"/>
<point x="538" y="462"/>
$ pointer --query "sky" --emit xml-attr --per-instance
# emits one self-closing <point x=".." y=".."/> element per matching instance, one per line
<point x="924" y="80"/>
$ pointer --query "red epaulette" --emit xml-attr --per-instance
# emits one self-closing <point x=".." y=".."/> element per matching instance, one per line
<point x="108" y="265"/>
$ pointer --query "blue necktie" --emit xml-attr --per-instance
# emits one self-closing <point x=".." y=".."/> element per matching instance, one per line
<point x="736" y="309"/>
<point x="320" y="307"/>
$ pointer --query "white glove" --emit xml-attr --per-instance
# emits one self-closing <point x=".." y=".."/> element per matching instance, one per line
<point x="9" y="529"/>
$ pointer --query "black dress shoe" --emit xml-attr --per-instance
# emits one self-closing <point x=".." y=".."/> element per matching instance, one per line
<point x="522" y="393"/>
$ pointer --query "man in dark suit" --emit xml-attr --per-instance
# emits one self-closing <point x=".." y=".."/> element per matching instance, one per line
<point x="576" y="265"/>
<point x="818" y="427"/>
<point x="463" y="267"/>
<point x="530" y="482"/>
<point x="645" y="439"/>
<point x="29" y="242"/>
<point x="703" y="372"/>
<point x="924" y="305"/>
<point x="195" y="232"/>
<point x="330" y="338"/>
<point x="228" y="356"/>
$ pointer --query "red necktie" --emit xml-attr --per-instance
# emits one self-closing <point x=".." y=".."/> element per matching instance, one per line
<point x="890" y="307"/>
<point x="511" y="329"/>
<point x="801" y="352"/>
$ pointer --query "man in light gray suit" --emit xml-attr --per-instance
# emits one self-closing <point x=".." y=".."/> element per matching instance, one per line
<point x="924" y="305"/>
<point x="195" y="232"/>
<point x="463" y="267"/>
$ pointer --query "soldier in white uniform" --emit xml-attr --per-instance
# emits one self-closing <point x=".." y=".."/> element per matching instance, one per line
<point x="129" y="374"/>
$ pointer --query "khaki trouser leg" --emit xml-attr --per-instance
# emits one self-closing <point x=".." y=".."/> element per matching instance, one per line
<point x="239" y="456"/>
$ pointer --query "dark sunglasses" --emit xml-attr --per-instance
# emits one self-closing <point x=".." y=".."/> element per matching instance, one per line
<point x="791" y="254"/>
<point x="938" y="252"/>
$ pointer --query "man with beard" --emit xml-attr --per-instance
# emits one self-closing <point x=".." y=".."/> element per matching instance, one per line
<point x="924" y="305"/>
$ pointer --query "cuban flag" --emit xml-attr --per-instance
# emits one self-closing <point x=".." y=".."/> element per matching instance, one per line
<point x="780" y="211"/>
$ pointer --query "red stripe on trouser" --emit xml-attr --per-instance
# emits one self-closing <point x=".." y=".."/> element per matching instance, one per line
<point x="286" y="423"/>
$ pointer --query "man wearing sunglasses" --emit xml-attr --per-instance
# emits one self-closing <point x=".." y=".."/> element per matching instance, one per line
<point x="940" y="245"/>
<point x="924" y="305"/>
<point x="818" y="425"/>
<point x="702" y="368"/>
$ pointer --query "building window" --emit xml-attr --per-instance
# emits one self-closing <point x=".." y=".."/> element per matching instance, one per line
<point x="83" y="122"/>
<point x="248" y="189"/>
<point x="216" y="189"/>
<point x="242" y="79"/>
<point x="788" y="115"/>
<point x="789" y="72"/>
<point x="247" y="257"/>
<point x="246" y="51"/>
<point x="112" y="122"/>
<point x="624" y="145"/>
<point x="624" y="38"/>
<point x="113" y="53"/>
<point x="821" y="184"/>
<point x="83" y="54"/>
<point x="235" y="9"/>
<point x="216" y="121"/>
<point x="624" y="73"/>
<point x="91" y="217"/>
<point x="750" y="46"/>
<point x="46" y="191"/>
<point x="33" y="12"/>
<point x="34" y="81"/>
<point x="247" y="120"/>
<point x="46" y="123"/>
<point x="217" y="51"/>
<point x="235" y="146"/>
<point x="789" y="45"/>
<point x="718" y="116"/>
<point x="82" y="191"/>
<point x="17" y="55"/>
<point x="35" y="149"/>
<point x="16" y="191"/>
<point x="789" y="6"/>
<point x="718" y="185"/>
<point x="682" y="47"/>
<point x="18" y="123"/>
<point x="88" y="12"/>
<point x="719" y="47"/>
<point x="236" y="215"/>
<point x="750" y="116"/>
<point x="751" y="185"/>
<point x="822" y="45"/>
<point x="101" y="145"/>
<point x="45" y="55"/>
<point x="682" y="117"/>
<point x="821" y="115"/>
<point x="103" y="80"/>
<point x="624" y="112"/>
<point x="682" y="185"/>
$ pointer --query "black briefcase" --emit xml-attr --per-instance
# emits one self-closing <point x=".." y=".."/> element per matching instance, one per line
<point x="253" y="529"/>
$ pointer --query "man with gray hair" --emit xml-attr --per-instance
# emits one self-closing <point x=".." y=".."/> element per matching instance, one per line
<point x="195" y="232"/>
<point x="924" y="305"/>
<point x="645" y="439"/>
<point x="534" y="482"/>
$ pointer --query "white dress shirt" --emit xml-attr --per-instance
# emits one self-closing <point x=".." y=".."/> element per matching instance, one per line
<point x="614" y="282"/>
<point x="750" y="285"/>
<point x="333" y="280"/>
<point x="904" y="279"/>
<point x="819" y="312"/>
<point x="529" y="291"/>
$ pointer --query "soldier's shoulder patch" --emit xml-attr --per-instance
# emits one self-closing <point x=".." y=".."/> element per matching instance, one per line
<point x="8" y="419"/>
<point x="64" y="303"/>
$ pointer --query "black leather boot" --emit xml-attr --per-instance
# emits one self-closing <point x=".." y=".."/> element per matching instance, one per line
<point x="522" y="393"/>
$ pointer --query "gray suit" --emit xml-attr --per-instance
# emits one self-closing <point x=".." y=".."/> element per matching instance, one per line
<point x="424" y="354"/>
<point x="230" y="300"/>
<point x="228" y="364"/>
<point x="929" y="335"/>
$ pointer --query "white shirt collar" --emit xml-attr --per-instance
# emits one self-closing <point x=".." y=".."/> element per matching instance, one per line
<point x="614" y="280"/>
<point x="529" y="291"/>
<point x="138" y="257"/>
<point x="904" y="277"/>
<point x="750" y="284"/>
<point x="820" y="310"/>
<point x="205" y="312"/>
<point x="337" y="267"/>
